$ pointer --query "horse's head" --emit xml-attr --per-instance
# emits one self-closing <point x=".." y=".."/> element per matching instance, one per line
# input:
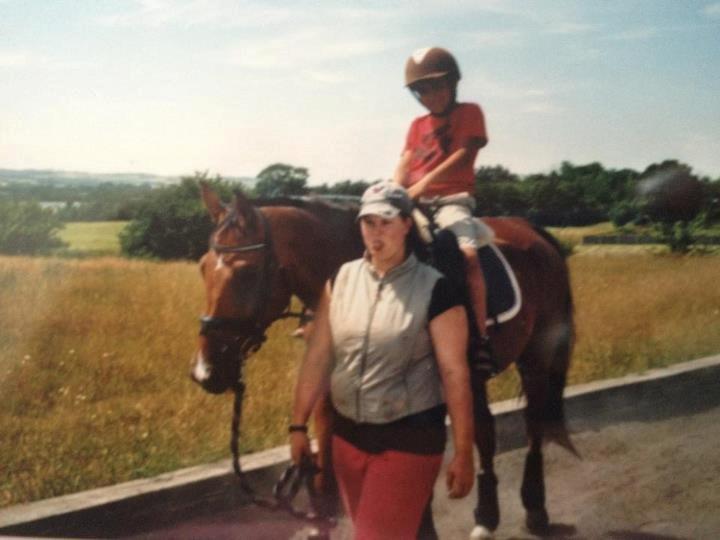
<point x="243" y="291"/>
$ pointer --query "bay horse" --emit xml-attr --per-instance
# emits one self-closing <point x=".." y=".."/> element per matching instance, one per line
<point x="259" y="256"/>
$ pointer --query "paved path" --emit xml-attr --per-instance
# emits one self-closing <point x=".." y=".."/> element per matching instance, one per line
<point x="650" y="471"/>
<point x="647" y="479"/>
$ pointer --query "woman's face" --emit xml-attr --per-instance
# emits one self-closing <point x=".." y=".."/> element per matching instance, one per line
<point x="385" y="238"/>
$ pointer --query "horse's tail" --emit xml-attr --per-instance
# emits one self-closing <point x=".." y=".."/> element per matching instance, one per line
<point x="554" y="424"/>
<point x="556" y="427"/>
<point x="550" y="239"/>
<point x="553" y="413"/>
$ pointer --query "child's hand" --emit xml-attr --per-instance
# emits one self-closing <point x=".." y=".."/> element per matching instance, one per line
<point x="416" y="190"/>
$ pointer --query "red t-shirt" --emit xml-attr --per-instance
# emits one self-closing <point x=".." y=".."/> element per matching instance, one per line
<point x="431" y="140"/>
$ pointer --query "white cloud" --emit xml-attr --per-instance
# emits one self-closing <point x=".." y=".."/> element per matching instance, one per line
<point x="244" y="14"/>
<point x="15" y="59"/>
<point x="570" y="28"/>
<point x="712" y="10"/>
<point x="497" y="38"/>
<point x="327" y="76"/>
<point x="541" y="107"/>
<point x="10" y="59"/>
<point x="186" y="13"/>
<point x="300" y="50"/>
<point x="636" y="34"/>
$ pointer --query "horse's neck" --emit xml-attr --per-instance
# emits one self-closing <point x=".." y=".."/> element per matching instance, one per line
<point x="313" y="247"/>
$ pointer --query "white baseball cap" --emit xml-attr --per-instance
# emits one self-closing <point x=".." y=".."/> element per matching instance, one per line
<point x="386" y="199"/>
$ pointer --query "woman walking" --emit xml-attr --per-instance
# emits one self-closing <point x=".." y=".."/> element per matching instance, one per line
<point x="389" y="344"/>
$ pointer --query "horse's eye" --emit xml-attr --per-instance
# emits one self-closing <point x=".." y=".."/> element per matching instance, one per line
<point x="245" y="275"/>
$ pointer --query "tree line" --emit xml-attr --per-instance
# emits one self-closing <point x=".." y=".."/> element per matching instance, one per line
<point x="169" y="221"/>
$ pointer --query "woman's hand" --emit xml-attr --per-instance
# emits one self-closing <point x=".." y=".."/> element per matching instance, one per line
<point x="449" y="336"/>
<point x="313" y="378"/>
<point x="299" y="446"/>
<point x="460" y="475"/>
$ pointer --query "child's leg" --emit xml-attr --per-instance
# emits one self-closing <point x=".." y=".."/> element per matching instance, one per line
<point x="476" y="287"/>
<point x="458" y="218"/>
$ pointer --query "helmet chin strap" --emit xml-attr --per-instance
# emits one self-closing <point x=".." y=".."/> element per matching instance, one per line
<point x="451" y="106"/>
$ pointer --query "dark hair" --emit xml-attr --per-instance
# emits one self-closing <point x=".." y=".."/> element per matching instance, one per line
<point x="414" y="242"/>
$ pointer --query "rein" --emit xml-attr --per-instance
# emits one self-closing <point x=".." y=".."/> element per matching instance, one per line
<point x="254" y="332"/>
<point x="287" y="487"/>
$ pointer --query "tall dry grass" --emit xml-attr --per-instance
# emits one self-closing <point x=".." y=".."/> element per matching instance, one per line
<point x="94" y="362"/>
<point x="94" y="356"/>
<point x="639" y="311"/>
<point x="636" y="310"/>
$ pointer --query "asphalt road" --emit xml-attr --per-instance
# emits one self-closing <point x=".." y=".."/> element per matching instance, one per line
<point x="650" y="470"/>
<point x="653" y="478"/>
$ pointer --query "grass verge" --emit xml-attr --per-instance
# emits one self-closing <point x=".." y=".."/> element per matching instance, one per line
<point x="91" y="239"/>
<point x="94" y="356"/>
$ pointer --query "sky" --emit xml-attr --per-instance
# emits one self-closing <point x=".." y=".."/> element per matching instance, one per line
<point x="230" y="86"/>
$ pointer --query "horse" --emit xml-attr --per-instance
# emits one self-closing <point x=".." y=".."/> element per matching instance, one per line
<point x="260" y="255"/>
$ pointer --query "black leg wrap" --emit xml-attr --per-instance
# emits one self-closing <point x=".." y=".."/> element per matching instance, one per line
<point x="427" y="525"/>
<point x="533" y="493"/>
<point x="487" y="512"/>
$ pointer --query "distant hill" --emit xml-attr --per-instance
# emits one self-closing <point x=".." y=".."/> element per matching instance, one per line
<point x="77" y="178"/>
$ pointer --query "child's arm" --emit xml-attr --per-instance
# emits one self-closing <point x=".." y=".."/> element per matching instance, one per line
<point x="403" y="168"/>
<point x="447" y="168"/>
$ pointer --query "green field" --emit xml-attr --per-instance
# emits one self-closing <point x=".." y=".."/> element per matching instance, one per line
<point x="95" y="353"/>
<point x="91" y="239"/>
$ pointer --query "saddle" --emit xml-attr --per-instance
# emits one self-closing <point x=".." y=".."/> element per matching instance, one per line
<point x="504" y="298"/>
<point x="503" y="292"/>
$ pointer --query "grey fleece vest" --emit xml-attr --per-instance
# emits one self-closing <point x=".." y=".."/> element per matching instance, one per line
<point x="385" y="367"/>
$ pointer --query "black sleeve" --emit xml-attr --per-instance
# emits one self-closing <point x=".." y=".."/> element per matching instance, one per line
<point x="444" y="296"/>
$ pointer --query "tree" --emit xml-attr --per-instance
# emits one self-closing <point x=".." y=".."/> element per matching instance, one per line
<point x="499" y="192"/>
<point x="496" y="173"/>
<point x="281" y="179"/>
<point x="173" y="223"/>
<point x="670" y="192"/>
<point x="25" y="228"/>
<point x="347" y="187"/>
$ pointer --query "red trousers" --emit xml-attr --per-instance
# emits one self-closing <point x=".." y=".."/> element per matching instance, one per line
<point x="384" y="494"/>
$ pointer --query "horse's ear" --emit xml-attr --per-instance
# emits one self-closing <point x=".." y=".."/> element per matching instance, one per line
<point x="244" y="209"/>
<point x="212" y="202"/>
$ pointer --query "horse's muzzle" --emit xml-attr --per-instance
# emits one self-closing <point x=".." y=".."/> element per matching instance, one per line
<point x="209" y="376"/>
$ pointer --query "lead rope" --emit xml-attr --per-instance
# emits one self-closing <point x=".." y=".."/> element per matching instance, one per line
<point x="289" y="484"/>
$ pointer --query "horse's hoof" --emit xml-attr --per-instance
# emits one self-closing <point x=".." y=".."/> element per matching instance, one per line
<point x="480" y="533"/>
<point x="537" y="521"/>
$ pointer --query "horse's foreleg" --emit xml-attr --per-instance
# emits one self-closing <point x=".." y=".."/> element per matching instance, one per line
<point x="487" y="511"/>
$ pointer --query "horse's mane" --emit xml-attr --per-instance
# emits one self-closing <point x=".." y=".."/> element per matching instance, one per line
<point x="313" y="203"/>
<point x="337" y="212"/>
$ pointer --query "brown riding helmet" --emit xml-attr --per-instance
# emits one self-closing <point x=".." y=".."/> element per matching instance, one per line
<point x="431" y="63"/>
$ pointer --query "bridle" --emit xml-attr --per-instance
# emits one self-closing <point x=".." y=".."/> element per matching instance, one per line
<point x="249" y="334"/>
